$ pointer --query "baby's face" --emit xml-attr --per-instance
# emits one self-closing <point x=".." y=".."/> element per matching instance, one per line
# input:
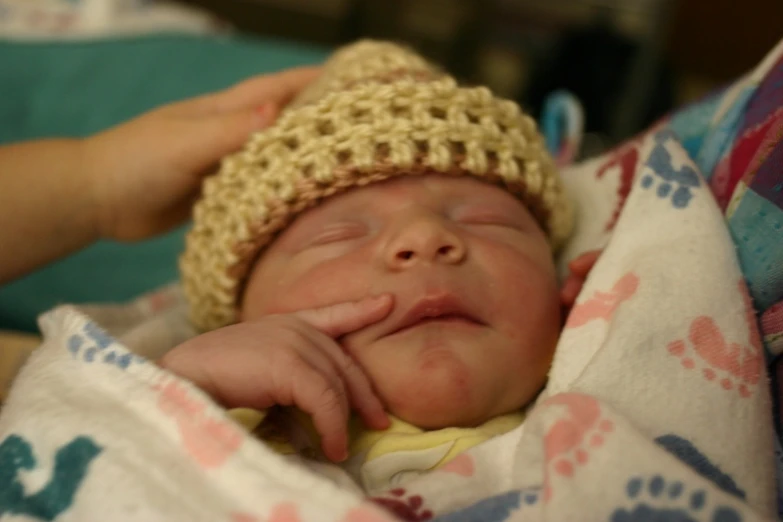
<point x="458" y="249"/>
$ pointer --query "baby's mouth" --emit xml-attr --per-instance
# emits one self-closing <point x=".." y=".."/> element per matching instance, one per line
<point x="440" y="309"/>
<point x="448" y="320"/>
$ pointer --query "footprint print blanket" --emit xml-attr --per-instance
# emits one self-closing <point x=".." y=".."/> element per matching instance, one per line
<point x="658" y="404"/>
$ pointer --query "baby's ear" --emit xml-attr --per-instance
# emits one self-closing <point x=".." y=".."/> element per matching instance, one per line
<point x="578" y="270"/>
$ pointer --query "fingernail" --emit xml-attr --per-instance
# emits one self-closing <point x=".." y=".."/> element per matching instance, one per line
<point x="385" y="423"/>
<point x="343" y="456"/>
<point x="264" y="115"/>
<point x="378" y="301"/>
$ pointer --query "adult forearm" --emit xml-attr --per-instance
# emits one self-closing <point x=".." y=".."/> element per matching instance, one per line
<point x="46" y="206"/>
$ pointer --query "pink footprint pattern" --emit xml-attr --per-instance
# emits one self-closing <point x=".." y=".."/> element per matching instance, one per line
<point x="462" y="465"/>
<point x="602" y="305"/>
<point x="733" y="366"/>
<point x="210" y="442"/>
<point x="570" y="440"/>
<point x="288" y="512"/>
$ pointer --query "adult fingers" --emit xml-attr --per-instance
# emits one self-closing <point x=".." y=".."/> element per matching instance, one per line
<point x="201" y="143"/>
<point x="277" y="89"/>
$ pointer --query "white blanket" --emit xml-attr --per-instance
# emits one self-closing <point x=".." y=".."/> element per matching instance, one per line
<point x="657" y="407"/>
<point x="42" y="20"/>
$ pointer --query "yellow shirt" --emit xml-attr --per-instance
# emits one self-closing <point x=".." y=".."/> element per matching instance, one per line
<point x="377" y="459"/>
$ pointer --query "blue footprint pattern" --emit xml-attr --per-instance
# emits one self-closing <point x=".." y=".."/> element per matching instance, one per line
<point x="70" y="467"/>
<point x="688" y="453"/>
<point x="494" y="509"/>
<point x="650" y="495"/>
<point x="93" y="345"/>
<point x="676" y="184"/>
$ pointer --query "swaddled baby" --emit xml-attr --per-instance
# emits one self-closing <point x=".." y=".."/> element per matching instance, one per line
<point x="387" y="247"/>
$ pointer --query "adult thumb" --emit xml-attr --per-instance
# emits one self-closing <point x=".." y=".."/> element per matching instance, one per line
<point x="215" y="136"/>
<point x="343" y="318"/>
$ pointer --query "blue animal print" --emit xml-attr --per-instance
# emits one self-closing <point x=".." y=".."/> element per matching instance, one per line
<point x="70" y="467"/>
<point x="684" y="450"/>
<point x="92" y="345"/>
<point x="650" y="497"/>
<point x="693" y="123"/>
<point x="493" y="509"/>
<point x="674" y="184"/>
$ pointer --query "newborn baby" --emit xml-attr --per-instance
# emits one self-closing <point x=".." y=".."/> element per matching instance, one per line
<point x="387" y="248"/>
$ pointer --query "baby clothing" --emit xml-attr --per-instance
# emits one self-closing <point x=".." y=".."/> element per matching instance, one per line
<point x="378" y="459"/>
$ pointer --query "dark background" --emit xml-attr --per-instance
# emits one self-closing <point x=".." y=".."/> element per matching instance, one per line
<point x="629" y="61"/>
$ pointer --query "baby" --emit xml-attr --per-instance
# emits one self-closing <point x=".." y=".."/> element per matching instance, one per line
<point x="386" y="247"/>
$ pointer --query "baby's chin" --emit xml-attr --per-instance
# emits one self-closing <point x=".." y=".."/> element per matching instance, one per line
<point x="442" y="400"/>
<point x="430" y="418"/>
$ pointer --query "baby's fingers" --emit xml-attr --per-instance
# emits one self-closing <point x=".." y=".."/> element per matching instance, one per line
<point x="351" y="376"/>
<point x="583" y="263"/>
<point x="343" y="318"/>
<point x="328" y="405"/>
<point x="362" y="395"/>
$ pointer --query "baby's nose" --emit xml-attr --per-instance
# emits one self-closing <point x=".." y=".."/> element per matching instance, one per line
<point x="428" y="240"/>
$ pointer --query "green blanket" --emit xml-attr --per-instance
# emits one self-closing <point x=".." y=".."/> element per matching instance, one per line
<point x="76" y="89"/>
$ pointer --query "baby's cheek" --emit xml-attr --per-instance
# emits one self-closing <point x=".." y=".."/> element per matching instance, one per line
<point x="429" y="391"/>
<point x="525" y="293"/>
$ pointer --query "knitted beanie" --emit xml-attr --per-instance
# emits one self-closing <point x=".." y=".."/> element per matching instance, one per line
<point x="376" y="112"/>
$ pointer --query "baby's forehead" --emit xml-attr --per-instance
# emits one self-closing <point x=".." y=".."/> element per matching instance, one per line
<point x="436" y="190"/>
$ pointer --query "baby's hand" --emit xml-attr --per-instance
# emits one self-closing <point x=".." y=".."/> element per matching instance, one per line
<point x="578" y="270"/>
<point x="290" y="359"/>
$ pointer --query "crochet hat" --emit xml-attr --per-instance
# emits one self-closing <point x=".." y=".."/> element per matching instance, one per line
<point x="376" y="112"/>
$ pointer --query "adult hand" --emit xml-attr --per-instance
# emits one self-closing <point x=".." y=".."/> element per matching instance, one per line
<point x="145" y="174"/>
<point x="130" y="182"/>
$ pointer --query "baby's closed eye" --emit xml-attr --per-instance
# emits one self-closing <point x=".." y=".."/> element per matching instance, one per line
<point x="337" y="232"/>
<point x="486" y="216"/>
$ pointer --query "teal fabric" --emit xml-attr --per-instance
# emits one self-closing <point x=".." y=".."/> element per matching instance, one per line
<point x="76" y="89"/>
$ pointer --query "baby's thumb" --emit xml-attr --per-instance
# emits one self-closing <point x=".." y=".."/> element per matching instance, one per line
<point x="343" y="318"/>
<point x="217" y="135"/>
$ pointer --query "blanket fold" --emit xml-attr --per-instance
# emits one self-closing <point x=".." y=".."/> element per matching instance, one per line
<point x="657" y="405"/>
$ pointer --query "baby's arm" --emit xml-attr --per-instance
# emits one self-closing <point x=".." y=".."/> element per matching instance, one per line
<point x="290" y="359"/>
